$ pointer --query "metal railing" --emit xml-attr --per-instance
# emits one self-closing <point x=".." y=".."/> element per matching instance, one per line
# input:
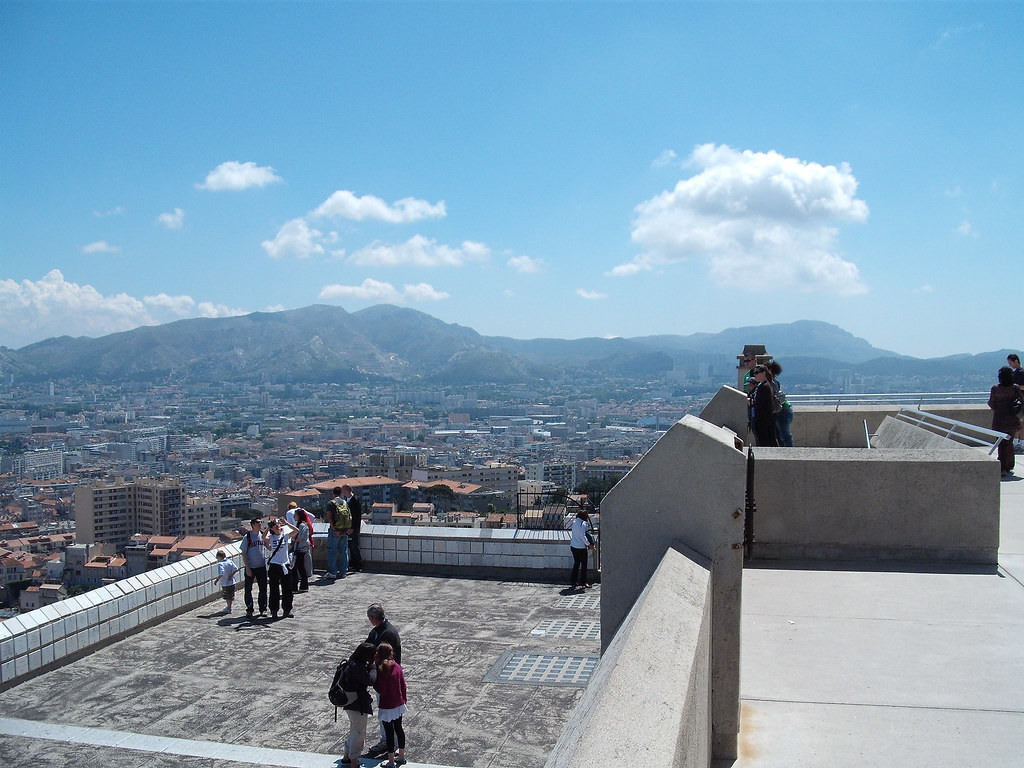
<point x="952" y="429"/>
<point x="916" y="399"/>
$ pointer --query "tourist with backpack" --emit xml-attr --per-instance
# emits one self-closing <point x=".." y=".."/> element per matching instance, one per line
<point x="349" y="691"/>
<point x="339" y="526"/>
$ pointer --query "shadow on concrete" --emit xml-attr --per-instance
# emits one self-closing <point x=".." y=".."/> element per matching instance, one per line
<point x="980" y="569"/>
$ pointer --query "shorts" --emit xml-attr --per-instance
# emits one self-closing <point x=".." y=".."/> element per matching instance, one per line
<point x="228" y="592"/>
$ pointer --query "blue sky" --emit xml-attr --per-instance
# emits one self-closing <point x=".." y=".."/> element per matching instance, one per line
<point x="536" y="169"/>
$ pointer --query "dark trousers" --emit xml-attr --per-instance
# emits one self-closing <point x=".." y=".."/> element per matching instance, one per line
<point x="579" y="566"/>
<point x="302" y="571"/>
<point x="280" y="588"/>
<point x="1006" y="457"/>
<point x="393" y="729"/>
<point x="355" y="557"/>
<point x="258" y="575"/>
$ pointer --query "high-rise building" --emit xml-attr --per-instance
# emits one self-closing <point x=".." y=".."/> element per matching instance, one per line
<point x="114" y="511"/>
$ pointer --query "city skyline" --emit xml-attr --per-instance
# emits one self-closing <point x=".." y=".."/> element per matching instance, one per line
<point x="524" y="169"/>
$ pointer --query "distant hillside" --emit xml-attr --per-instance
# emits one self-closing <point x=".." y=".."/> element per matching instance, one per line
<point x="327" y="344"/>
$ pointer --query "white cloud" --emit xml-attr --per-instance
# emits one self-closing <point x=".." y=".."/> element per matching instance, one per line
<point x="344" y="204"/>
<point x="760" y="220"/>
<point x="667" y="157"/>
<point x="590" y="295"/>
<point x="116" y="211"/>
<point x="375" y="290"/>
<point x="101" y="246"/>
<point x="966" y="229"/>
<point x="233" y="175"/>
<point x="34" y="310"/>
<point x="926" y="288"/>
<point x="295" y="238"/>
<point x="173" y="220"/>
<point x="525" y="264"/>
<point x="419" y="251"/>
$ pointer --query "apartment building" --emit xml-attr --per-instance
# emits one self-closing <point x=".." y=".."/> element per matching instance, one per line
<point x="114" y="511"/>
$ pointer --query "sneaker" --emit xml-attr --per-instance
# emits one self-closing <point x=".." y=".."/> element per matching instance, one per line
<point x="289" y="615"/>
<point x="331" y="575"/>
<point x="377" y="750"/>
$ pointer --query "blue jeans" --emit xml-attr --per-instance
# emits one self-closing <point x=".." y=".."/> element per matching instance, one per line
<point x="784" y="426"/>
<point x="337" y="545"/>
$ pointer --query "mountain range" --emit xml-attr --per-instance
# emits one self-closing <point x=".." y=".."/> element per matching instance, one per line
<point x="387" y="343"/>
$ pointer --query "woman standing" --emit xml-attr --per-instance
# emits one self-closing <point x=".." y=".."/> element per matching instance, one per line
<point x="359" y="707"/>
<point x="784" y="418"/>
<point x="580" y="541"/>
<point x="1001" y="400"/>
<point x="277" y="568"/>
<point x="303" y="550"/>
<point x="390" y="684"/>
<point x="763" y="415"/>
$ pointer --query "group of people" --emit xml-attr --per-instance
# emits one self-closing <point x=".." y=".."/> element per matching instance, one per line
<point x="771" y="414"/>
<point x="279" y="560"/>
<point x="1005" y="400"/>
<point x="375" y="663"/>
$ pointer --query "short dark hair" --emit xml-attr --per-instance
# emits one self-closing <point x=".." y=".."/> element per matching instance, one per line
<point x="1012" y="357"/>
<point x="256" y="520"/>
<point x="376" y="610"/>
<point x="337" y="490"/>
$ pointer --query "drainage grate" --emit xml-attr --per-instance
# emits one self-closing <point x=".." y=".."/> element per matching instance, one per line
<point x="590" y="601"/>
<point x="579" y="630"/>
<point x="541" y="669"/>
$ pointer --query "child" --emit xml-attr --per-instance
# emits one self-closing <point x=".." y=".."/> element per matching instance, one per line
<point x="390" y="684"/>
<point x="226" y="571"/>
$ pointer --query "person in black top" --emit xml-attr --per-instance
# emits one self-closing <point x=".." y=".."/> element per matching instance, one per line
<point x="1018" y="381"/>
<point x="355" y="560"/>
<point x="383" y="632"/>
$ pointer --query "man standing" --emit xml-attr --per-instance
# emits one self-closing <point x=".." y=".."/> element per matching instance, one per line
<point x="339" y="526"/>
<point x="355" y="507"/>
<point x="277" y="570"/>
<point x="1018" y="381"/>
<point x="383" y="632"/>
<point x="254" y="557"/>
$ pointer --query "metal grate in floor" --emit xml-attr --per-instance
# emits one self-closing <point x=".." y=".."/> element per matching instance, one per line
<point x="581" y="601"/>
<point x="579" y="630"/>
<point x="542" y="669"/>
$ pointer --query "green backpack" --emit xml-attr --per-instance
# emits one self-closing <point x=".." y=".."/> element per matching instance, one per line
<point x="342" y="515"/>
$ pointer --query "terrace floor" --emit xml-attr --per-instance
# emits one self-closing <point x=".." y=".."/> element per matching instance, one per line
<point x="846" y="667"/>
<point x="202" y="689"/>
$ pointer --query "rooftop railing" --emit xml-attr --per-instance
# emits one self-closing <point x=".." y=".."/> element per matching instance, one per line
<point x="916" y="399"/>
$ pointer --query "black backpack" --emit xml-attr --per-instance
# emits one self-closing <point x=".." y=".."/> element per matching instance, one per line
<point x="340" y="688"/>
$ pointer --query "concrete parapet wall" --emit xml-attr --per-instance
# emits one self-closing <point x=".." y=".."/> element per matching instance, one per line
<point x="689" y="489"/>
<point x="878" y="504"/>
<point x="830" y="427"/>
<point x="55" y="634"/>
<point x="728" y="408"/>
<point x="506" y="553"/>
<point x="657" y="668"/>
<point x="895" y="433"/>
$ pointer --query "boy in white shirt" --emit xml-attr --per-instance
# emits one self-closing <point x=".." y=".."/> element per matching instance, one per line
<point x="226" y="572"/>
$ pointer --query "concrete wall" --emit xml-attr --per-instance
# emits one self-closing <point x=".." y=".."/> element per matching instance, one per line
<point x="54" y="634"/>
<point x="878" y="504"/>
<point x="728" y="408"/>
<point x="896" y="433"/>
<point x="829" y="427"/>
<point x="689" y="489"/>
<point x="512" y="554"/>
<point x="648" y="700"/>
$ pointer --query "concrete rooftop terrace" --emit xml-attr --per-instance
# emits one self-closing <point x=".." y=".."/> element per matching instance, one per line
<point x="846" y="666"/>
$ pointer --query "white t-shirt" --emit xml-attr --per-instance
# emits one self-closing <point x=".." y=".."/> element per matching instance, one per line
<point x="226" y="571"/>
